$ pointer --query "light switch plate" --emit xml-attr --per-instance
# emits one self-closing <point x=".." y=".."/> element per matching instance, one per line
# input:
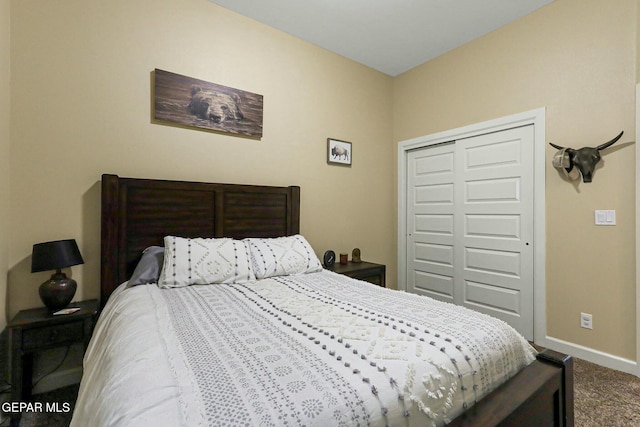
<point x="605" y="217"/>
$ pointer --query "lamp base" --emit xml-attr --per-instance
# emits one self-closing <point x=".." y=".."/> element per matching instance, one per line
<point x="58" y="291"/>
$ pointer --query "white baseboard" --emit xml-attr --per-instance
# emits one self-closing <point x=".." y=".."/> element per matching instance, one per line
<point x="590" y="355"/>
<point x="58" y="379"/>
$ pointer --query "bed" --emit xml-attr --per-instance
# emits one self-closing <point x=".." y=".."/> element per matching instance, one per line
<point x="292" y="345"/>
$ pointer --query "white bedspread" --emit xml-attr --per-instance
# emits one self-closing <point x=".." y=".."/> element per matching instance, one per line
<point x="315" y="349"/>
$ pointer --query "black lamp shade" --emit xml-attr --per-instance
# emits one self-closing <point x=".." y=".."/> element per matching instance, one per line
<point x="58" y="291"/>
<point x="55" y="255"/>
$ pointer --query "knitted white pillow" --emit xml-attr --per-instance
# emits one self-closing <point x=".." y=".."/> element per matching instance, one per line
<point x="201" y="261"/>
<point x="282" y="256"/>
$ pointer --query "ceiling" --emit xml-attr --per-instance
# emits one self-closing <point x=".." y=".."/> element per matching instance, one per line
<point x="391" y="36"/>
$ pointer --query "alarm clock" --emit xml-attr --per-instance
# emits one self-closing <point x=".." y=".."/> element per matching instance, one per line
<point x="329" y="259"/>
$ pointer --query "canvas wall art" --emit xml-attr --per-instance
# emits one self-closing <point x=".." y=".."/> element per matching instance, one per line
<point x="197" y="103"/>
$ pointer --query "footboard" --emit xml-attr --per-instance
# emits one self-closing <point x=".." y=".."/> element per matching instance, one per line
<point x="539" y="395"/>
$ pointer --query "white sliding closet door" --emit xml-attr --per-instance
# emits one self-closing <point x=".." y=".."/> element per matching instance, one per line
<point x="470" y="224"/>
<point x="430" y="221"/>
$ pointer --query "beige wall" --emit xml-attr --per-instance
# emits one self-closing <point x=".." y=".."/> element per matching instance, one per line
<point x="5" y="72"/>
<point x="80" y="104"/>
<point x="81" y="107"/>
<point x="577" y="59"/>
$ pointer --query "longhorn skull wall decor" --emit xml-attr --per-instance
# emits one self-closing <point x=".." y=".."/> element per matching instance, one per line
<point x="583" y="159"/>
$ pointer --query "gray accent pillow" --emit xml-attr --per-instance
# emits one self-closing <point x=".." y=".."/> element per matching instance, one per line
<point x="148" y="268"/>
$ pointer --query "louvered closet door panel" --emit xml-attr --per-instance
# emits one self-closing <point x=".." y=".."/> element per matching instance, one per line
<point x="495" y="218"/>
<point x="430" y="222"/>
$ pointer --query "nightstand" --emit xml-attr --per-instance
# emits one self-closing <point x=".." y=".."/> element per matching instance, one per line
<point x="38" y="329"/>
<point x="367" y="271"/>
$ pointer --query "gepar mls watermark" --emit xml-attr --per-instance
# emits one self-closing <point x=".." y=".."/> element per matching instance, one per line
<point x="23" y="407"/>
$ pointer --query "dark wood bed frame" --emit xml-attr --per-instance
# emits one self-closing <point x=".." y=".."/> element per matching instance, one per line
<point x="137" y="213"/>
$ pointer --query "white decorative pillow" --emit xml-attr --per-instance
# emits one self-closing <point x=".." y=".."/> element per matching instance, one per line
<point x="203" y="261"/>
<point x="282" y="256"/>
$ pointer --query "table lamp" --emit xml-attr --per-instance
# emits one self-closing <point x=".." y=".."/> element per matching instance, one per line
<point x="58" y="291"/>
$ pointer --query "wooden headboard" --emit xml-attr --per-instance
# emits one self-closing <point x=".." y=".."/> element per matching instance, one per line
<point x="137" y="213"/>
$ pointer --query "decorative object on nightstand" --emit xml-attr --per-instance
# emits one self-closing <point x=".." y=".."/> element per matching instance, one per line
<point x="58" y="291"/>
<point x="367" y="271"/>
<point x="355" y="255"/>
<point x="344" y="259"/>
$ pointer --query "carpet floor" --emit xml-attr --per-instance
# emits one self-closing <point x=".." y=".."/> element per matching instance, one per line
<point x="603" y="398"/>
<point x="57" y="419"/>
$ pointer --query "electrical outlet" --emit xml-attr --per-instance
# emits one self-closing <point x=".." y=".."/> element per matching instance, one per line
<point x="586" y="321"/>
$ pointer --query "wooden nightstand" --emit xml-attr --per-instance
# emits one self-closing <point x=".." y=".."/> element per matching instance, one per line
<point x="367" y="271"/>
<point x="38" y="329"/>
